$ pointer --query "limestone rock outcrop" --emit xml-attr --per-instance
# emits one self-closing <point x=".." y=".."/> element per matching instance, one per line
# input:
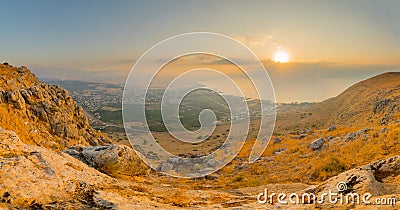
<point x="35" y="177"/>
<point x="45" y="108"/>
<point x="374" y="178"/>
<point x="114" y="160"/>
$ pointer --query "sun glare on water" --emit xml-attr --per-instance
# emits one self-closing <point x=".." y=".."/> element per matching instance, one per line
<point x="281" y="57"/>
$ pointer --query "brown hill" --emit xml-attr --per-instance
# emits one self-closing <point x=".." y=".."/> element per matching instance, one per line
<point x="366" y="119"/>
<point x="371" y="102"/>
<point x="42" y="114"/>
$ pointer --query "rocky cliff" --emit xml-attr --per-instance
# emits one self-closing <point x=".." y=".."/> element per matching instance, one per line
<point x="37" y="122"/>
<point x="42" y="114"/>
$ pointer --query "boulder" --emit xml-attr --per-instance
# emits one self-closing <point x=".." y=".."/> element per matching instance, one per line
<point x="301" y="136"/>
<point x="332" y="128"/>
<point x="384" y="130"/>
<point x="33" y="177"/>
<point x="350" y="137"/>
<point x="365" y="179"/>
<point x="363" y="133"/>
<point x="114" y="160"/>
<point x="279" y="151"/>
<point x="316" y="144"/>
<point x="277" y="140"/>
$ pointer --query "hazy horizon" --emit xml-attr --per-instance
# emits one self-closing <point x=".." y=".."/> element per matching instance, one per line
<point x="330" y="45"/>
<point x="288" y="87"/>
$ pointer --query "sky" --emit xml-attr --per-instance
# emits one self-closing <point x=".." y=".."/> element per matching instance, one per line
<point x="331" y="44"/>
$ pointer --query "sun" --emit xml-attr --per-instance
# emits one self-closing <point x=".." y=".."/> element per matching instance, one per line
<point x="281" y="57"/>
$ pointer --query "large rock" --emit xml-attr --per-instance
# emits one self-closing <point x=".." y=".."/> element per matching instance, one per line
<point x="363" y="133"/>
<point x="332" y="128"/>
<point x="277" y="140"/>
<point x="365" y="179"/>
<point x="114" y="160"/>
<point x="279" y="151"/>
<point x="33" y="177"/>
<point x="316" y="144"/>
<point x="351" y="137"/>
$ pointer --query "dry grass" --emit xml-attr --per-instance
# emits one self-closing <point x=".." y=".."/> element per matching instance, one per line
<point x="300" y="164"/>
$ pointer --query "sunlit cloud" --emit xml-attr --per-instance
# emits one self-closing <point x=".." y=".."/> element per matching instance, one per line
<point x="255" y="40"/>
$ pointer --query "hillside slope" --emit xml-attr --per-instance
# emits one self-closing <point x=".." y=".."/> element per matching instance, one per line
<point x="360" y="126"/>
<point x="371" y="102"/>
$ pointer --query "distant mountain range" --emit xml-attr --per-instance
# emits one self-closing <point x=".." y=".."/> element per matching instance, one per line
<point x="111" y="76"/>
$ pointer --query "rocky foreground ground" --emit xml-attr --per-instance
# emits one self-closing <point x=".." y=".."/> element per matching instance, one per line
<point x="38" y="178"/>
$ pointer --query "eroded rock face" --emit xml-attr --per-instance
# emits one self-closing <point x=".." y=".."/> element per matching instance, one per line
<point x="47" y="108"/>
<point x="35" y="177"/>
<point x="114" y="160"/>
<point x="15" y="98"/>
